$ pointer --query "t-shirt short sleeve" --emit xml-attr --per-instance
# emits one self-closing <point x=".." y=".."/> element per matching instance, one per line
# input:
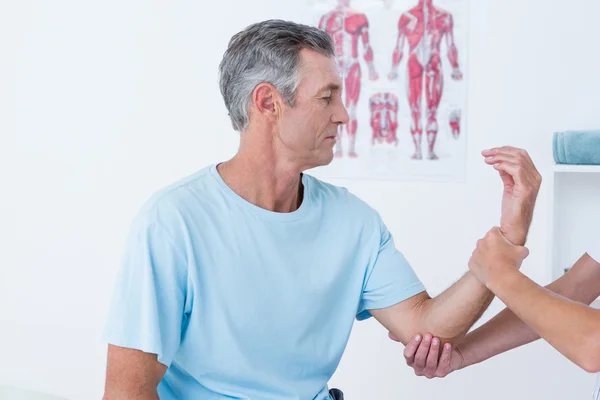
<point x="594" y="251"/>
<point x="390" y="279"/>
<point x="147" y="309"/>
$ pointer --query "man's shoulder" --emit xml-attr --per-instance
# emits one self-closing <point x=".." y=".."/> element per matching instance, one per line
<point x="169" y="202"/>
<point x="341" y="198"/>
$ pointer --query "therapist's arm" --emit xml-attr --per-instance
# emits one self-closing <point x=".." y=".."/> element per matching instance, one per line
<point x="502" y="333"/>
<point x="506" y="331"/>
<point x="569" y="326"/>
<point x="132" y="374"/>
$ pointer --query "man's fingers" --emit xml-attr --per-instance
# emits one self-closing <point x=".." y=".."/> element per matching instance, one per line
<point x="504" y="149"/>
<point x="515" y="171"/>
<point x="444" y="366"/>
<point x="512" y="154"/>
<point x="411" y="349"/>
<point x="421" y="355"/>
<point x="527" y="178"/>
<point x="502" y="157"/>
<point x="497" y="150"/>
<point x="432" y="358"/>
<point x="507" y="180"/>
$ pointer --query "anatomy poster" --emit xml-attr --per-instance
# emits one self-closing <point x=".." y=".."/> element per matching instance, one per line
<point x="403" y="63"/>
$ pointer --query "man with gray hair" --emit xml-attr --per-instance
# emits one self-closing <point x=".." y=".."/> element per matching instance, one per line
<point x="243" y="280"/>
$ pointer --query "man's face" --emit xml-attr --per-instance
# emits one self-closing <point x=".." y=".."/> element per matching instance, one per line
<point x="308" y="130"/>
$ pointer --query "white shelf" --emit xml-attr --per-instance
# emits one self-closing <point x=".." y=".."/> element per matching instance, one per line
<point x="574" y="212"/>
<point x="576" y="168"/>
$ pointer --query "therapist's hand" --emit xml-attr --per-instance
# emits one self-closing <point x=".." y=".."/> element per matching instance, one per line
<point x="495" y="256"/>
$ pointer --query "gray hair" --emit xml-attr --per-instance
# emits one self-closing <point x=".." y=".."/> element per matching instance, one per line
<point x="267" y="51"/>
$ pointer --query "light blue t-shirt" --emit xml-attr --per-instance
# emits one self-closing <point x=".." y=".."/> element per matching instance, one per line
<point x="244" y="303"/>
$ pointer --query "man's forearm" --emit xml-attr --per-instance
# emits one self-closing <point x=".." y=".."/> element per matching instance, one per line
<point x="451" y="314"/>
<point x="454" y="311"/>
<point x="476" y="297"/>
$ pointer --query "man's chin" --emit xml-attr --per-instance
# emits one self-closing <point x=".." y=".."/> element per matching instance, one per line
<point x="329" y="158"/>
<point x="324" y="159"/>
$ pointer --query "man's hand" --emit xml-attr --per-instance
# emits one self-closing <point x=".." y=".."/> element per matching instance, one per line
<point x="423" y="355"/>
<point x="521" y="186"/>
<point x="494" y="255"/>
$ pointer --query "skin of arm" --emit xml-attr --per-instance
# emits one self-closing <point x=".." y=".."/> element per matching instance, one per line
<point x="570" y="327"/>
<point x="451" y="314"/>
<point x="132" y="374"/>
<point x="506" y="331"/>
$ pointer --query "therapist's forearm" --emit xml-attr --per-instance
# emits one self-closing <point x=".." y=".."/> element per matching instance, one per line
<point x="571" y="327"/>
<point x="506" y="331"/>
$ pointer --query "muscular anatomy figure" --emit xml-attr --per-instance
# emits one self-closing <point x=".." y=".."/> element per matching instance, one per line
<point x="424" y="27"/>
<point x="454" y="121"/>
<point x="384" y="117"/>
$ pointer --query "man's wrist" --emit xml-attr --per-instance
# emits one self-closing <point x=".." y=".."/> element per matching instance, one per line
<point x="517" y="235"/>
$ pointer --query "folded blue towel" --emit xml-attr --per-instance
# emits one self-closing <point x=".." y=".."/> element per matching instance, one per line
<point x="576" y="147"/>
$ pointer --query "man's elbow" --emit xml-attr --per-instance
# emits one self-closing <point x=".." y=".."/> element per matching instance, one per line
<point x="445" y="337"/>
<point x="456" y="339"/>
<point x="443" y="330"/>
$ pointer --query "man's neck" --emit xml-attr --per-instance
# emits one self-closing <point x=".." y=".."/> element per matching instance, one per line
<point x="257" y="175"/>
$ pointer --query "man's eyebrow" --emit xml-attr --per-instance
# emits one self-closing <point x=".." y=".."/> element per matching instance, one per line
<point x="330" y="87"/>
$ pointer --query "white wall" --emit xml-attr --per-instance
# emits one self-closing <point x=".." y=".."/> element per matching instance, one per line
<point x="111" y="100"/>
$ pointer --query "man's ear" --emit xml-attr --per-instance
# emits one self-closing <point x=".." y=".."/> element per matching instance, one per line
<point x="267" y="101"/>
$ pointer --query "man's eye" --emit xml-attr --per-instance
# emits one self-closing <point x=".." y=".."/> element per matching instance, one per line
<point x="327" y="99"/>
